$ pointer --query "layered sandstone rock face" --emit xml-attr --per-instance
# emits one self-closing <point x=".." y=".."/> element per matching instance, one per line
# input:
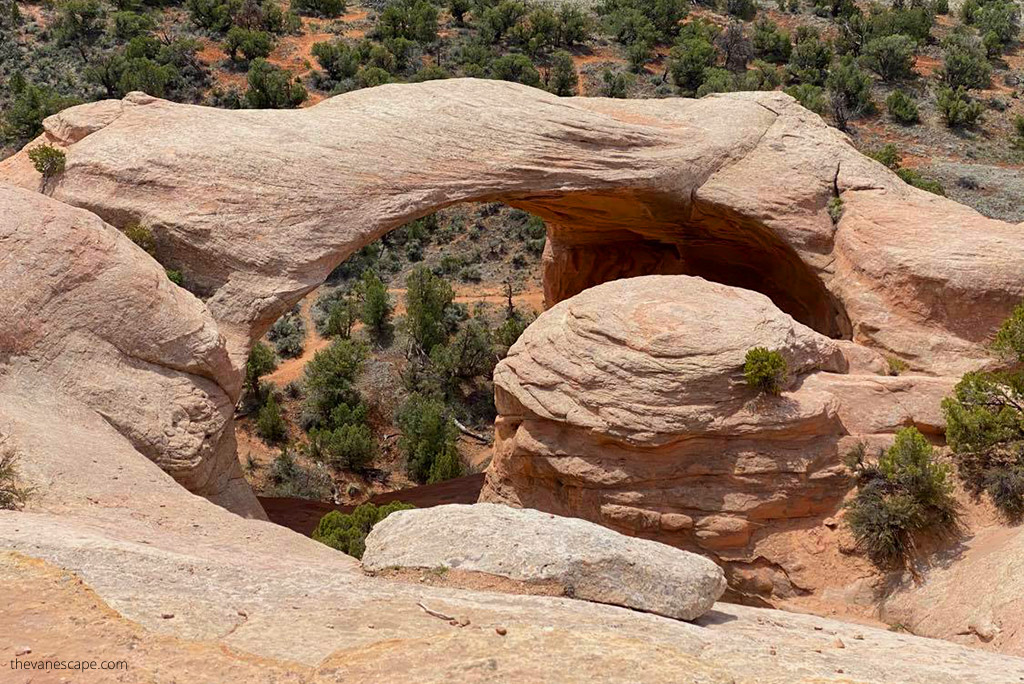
<point x="107" y="374"/>
<point x="626" y="405"/>
<point x="89" y="317"/>
<point x="257" y="207"/>
<point x="653" y="435"/>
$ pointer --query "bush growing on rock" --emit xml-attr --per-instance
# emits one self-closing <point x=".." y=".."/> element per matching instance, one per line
<point x="765" y="370"/>
<point x="347" y="532"/>
<point x="900" y="499"/>
<point x="12" y="495"/>
<point x="47" y="160"/>
<point x="985" y="424"/>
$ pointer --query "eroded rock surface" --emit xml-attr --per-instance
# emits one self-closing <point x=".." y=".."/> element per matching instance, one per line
<point x="256" y="207"/>
<point x="87" y="316"/>
<point x="626" y="405"/>
<point x="585" y="560"/>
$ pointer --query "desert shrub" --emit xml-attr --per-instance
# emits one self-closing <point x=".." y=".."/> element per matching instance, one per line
<point x="849" y="91"/>
<point x="771" y="43"/>
<point x="912" y="177"/>
<point x="902" y="108"/>
<point x="347" y="532"/>
<point x="614" y="84"/>
<point x="128" y="25"/>
<point x="999" y="19"/>
<point x="901" y="498"/>
<point x="22" y="117"/>
<point x="765" y="370"/>
<point x="888" y="154"/>
<point x="272" y="88"/>
<point x="377" y="307"/>
<point x="1018" y="132"/>
<point x="215" y="15"/>
<point x="412" y="20"/>
<point x="891" y="57"/>
<point x="348" y="446"/>
<point x="141" y="236"/>
<point x="469" y="355"/>
<point x="985" y="424"/>
<point x="252" y="43"/>
<point x="941" y="7"/>
<point x="427" y="299"/>
<point x="648" y="20"/>
<point x="80" y="23"/>
<point x="372" y="76"/>
<point x="517" y="68"/>
<point x="563" y="75"/>
<point x="337" y="59"/>
<point x="319" y="8"/>
<point x="270" y="423"/>
<point x="809" y="60"/>
<point x="965" y="64"/>
<point x="957" y="108"/>
<point x="689" y="62"/>
<point x="341" y="317"/>
<point x="428" y="435"/>
<point x="47" y="160"/>
<point x="288" y="335"/>
<point x="175" y="277"/>
<point x="835" y="209"/>
<point x="810" y="96"/>
<point x="717" y="81"/>
<point x="260" y="362"/>
<point x="895" y="365"/>
<point x="290" y="479"/>
<point x="742" y="9"/>
<point x="329" y="379"/>
<point x="12" y="495"/>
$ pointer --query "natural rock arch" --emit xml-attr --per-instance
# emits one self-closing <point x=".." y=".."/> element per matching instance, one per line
<point x="257" y="207"/>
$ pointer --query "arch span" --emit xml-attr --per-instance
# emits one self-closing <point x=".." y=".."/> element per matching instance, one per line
<point x="257" y="207"/>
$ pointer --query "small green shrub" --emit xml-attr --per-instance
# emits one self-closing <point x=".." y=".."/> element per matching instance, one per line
<point x="902" y="108"/>
<point x="957" y="107"/>
<point x="765" y="370"/>
<point x="428" y="435"/>
<point x="347" y="532"/>
<point x="835" y="209"/>
<point x="289" y="479"/>
<point x="269" y="423"/>
<point x="904" y="496"/>
<point x="895" y="365"/>
<point x="47" y="160"/>
<point x="141" y="236"/>
<point x="319" y="8"/>
<point x="260" y="362"/>
<point x="912" y="177"/>
<point x="985" y="424"/>
<point x="1018" y="132"/>
<point x="175" y="277"/>
<point x="12" y="496"/>
<point x="377" y="306"/>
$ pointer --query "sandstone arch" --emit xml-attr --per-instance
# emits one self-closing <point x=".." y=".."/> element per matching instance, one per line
<point x="258" y="206"/>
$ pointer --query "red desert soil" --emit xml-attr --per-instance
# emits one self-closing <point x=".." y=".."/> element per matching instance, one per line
<point x="302" y="515"/>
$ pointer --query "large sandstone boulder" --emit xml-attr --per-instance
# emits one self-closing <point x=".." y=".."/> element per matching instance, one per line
<point x="581" y="559"/>
<point x="257" y="207"/>
<point x="626" y="405"/>
<point x="89" y="317"/>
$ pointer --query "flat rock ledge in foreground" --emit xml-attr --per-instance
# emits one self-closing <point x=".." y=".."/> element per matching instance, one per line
<point x="585" y="560"/>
